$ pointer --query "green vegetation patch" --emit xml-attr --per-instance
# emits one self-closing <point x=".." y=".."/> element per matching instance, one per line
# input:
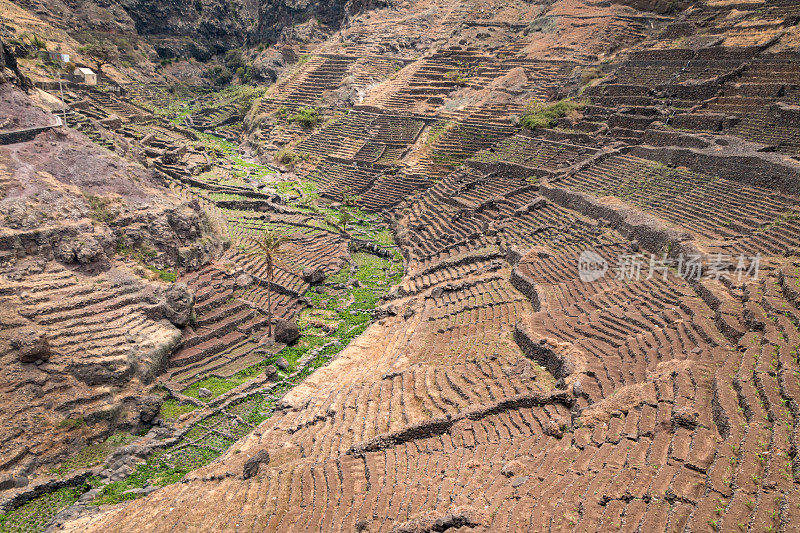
<point x="94" y="454"/>
<point x="164" y="274"/>
<point x="540" y="115"/>
<point x="98" y="208"/>
<point x="206" y="441"/>
<point x="216" y="385"/>
<point x="287" y="157"/>
<point x="307" y="117"/>
<point x="172" y="409"/>
<point x="340" y="308"/>
<point x="34" y="515"/>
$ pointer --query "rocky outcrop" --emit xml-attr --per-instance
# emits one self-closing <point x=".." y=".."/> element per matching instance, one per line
<point x="31" y="346"/>
<point x="268" y="65"/>
<point x="178" y="304"/>
<point x="84" y="332"/>
<point x="277" y="18"/>
<point x="252" y="465"/>
<point x="9" y="70"/>
<point x="79" y="204"/>
<point x="656" y="6"/>
<point x="206" y="28"/>
<point x="286" y="331"/>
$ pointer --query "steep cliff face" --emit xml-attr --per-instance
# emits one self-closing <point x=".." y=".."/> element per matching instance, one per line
<point x="194" y="28"/>
<point x="275" y="16"/>
<point x="206" y="27"/>
<point x="9" y="71"/>
<point x="657" y="6"/>
<point x="287" y="18"/>
<point x="215" y="26"/>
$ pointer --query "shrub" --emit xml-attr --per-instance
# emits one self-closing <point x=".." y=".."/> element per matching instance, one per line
<point x="350" y="200"/>
<point x="457" y="76"/>
<point x="218" y="75"/>
<point x="38" y="42"/>
<point x="234" y="59"/>
<point x="72" y="423"/>
<point x="244" y="74"/>
<point x="164" y="274"/>
<point x="307" y="117"/>
<point x="98" y="208"/>
<point x="540" y="115"/>
<point x="286" y="157"/>
<point x="589" y="74"/>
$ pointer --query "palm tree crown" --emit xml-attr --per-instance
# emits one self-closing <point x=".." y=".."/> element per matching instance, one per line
<point x="268" y="247"/>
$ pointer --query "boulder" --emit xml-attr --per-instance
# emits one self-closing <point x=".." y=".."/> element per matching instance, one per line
<point x="268" y="65"/>
<point x="88" y="251"/>
<point x="31" y="346"/>
<point x="314" y="276"/>
<point x="552" y="429"/>
<point x="270" y="372"/>
<point x="204" y="392"/>
<point x="519" y="481"/>
<point x="149" y="407"/>
<point x="243" y="281"/>
<point x="511" y="468"/>
<point x="386" y="310"/>
<point x="178" y="304"/>
<point x="252" y="465"/>
<point x="282" y="363"/>
<point x="286" y="331"/>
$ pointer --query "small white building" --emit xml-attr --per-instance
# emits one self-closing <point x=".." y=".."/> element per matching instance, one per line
<point x="85" y="75"/>
<point x="58" y="56"/>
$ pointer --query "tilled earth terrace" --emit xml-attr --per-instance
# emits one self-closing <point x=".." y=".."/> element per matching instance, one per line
<point x="638" y="415"/>
<point x="659" y="371"/>
<point x="499" y="391"/>
<point x="222" y="348"/>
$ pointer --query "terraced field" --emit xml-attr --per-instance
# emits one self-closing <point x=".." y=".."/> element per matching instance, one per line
<point x="543" y="259"/>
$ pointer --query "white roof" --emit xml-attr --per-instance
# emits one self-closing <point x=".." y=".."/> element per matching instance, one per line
<point x="84" y="70"/>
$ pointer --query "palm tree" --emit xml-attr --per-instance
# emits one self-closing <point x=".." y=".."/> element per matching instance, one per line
<point x="344" y="218"/>
<point x="268" y="247"/>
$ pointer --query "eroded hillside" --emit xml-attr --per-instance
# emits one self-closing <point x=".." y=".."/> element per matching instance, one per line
<point x="542" y="256"/>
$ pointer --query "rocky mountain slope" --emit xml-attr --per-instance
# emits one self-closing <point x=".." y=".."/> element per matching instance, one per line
<point x="83" y="333"/>
<point x="596" y="206"/>
<point x="139" y="39"/>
